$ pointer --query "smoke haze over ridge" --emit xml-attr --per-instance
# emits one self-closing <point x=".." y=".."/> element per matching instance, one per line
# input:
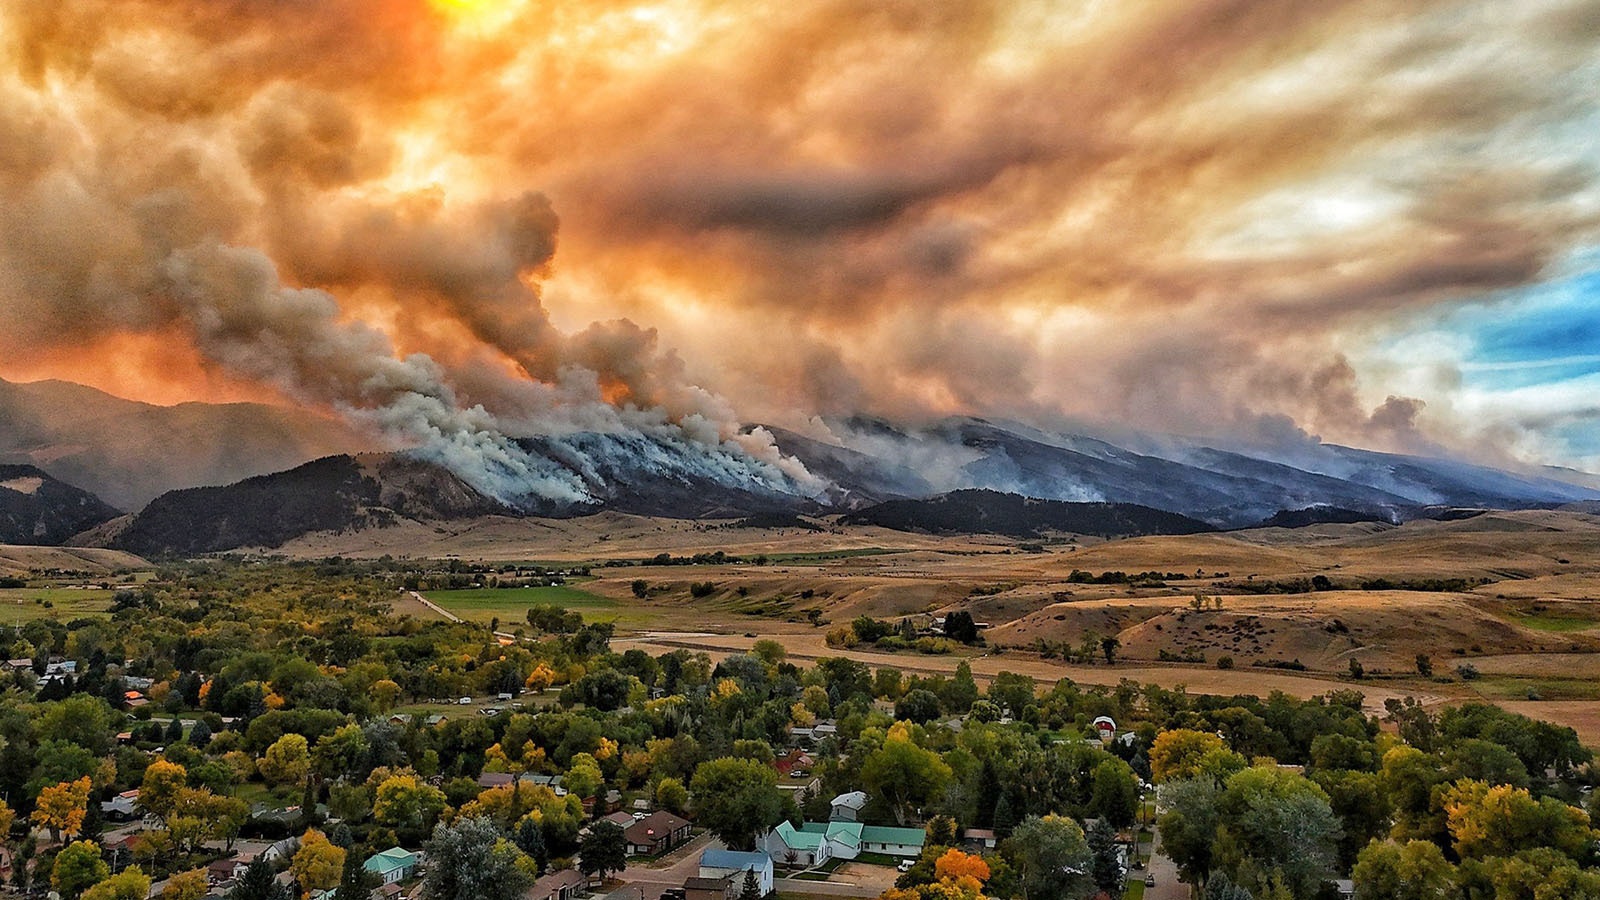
<point x="1216" y="218"/>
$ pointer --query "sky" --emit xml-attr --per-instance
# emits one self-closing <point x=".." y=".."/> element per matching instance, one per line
<point x="1368" y="222"/>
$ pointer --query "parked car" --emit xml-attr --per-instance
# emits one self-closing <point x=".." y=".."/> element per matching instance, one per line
<point x="465" y="701"/>
<point x="1149" y="879"/>
<point x="905" y="865"/>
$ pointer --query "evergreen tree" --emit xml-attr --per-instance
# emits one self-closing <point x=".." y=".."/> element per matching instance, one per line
<point x="257" y="883"/>
<point x="1218" y="887"/>
<point x="356" y="883"/>
<point x="175" y="731"/>
<point x="1104" y="867"/>
<point x="200" y="735"/>
<point x="530" y="839"/>
<point x="751" y="889"/>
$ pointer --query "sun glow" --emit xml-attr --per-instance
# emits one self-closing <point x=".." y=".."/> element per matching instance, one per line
<point x="479" y="14"/>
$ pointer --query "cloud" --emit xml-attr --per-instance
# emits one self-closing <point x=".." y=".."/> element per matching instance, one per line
<point x="1187" y="216"/>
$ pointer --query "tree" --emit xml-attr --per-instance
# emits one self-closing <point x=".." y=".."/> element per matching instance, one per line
<point x="61" y="808"/>
<point x="1181" y="753"/>
<point x="1415" y="870"/>
<point x="78" y="866"/>
<point x="1114" y="793"/>
<point x="1501" y="820"/>
<point x="956" y="864"/>
<point x="1052" y="858"/>
<point x="1109" y="646"/>
<point x="1424" y="665"/>
<point x="287" y="761"/>
<point x="257" y="883"/>
<point x="584" y="778"/>
<point x="941" y="832"/>
<point x="918" y="706"/>
<point x="904" y="775"/>
<point x="1105" y="868"/>
<point x="736" y="800"/>
<point x="1189" y="825"/>
<point x="751" y="889"/>
<point x="529" y="838"/>
<point x="318" y="864"/>
<point x="190" y="885"/>
<point x="129" y="884"/>
<point x="385" y="693"/>
<point x="1276" y="822"/>
<point x="7" y="816"/>
<point x="1220" y="887"/>
<point x="958" y="626"/>
<point x="355" y="883"/>
<point x="672" y="795"/>
<point x="162" y="782"/>
<point x="470" y="860"/>
<point x="603" y="850"/>
<point x="1358" y="800"/>
<point x="408" y="805"/>
<point x="640" y="587"/>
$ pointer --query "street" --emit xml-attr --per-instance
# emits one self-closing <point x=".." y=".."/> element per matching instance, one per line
<point x="1167" y="886"/>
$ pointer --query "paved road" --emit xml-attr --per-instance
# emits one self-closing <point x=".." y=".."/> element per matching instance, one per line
<point x="1167" y="886"/>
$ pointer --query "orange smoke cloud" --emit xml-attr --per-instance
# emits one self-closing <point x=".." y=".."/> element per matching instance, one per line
<point x="1179" y="215"/>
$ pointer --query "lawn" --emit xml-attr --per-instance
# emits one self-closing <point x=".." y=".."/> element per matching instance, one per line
<point x="510" y="605"/>
<point x="19" y="605"/>
<point x="1135" y="889"/>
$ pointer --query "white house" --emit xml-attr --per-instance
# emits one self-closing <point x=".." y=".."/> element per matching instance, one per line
<point x="733" y="864"/>
<point x="847" y="807"/>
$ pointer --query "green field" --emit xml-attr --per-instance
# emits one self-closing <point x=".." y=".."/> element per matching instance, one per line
<point x="510" y="605"/>
<point x="1513" y="687"/>
<point x="19" y="605"/>
<point x="1548" y="622"/>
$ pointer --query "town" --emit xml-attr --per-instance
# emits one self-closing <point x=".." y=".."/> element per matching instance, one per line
<point x="262" y="731"/>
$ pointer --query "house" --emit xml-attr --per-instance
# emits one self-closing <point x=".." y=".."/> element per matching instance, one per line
<point x="281" y="851"/>
<point x="1345" y="887"/>
<point x="813" y="843"/>
<point x="553" y="782"/>
<point x="732" y="864"/>
<point x="490" y="780"/>
<point x="802" y="736"/>
<point x="979" y="838"/>
<point x="122" y="807"/>
<point x="18" y="665"/>
<point x="905" y="842"/>
<point x="563" y="884"/>
<point x="392" y="866"/>
<point x="655" y="834"/>
<point x="223" y="871"/>
<point x="698" y="888"/>
<point x="847" y="807"/>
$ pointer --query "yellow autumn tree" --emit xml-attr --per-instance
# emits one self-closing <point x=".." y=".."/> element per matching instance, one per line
<point x="162" y="782"/>
<point x="318" y="864"/>
<point x="541" y="678"/>
<point x="190" y="885"/>
<point x="61" y="808"/>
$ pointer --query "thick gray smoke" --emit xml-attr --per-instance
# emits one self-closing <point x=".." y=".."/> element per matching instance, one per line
<point x="244" y="319"/>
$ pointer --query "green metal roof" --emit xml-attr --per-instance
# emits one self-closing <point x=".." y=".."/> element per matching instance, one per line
<point x="389" y="860"/>
<point x="884" y="834"/>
